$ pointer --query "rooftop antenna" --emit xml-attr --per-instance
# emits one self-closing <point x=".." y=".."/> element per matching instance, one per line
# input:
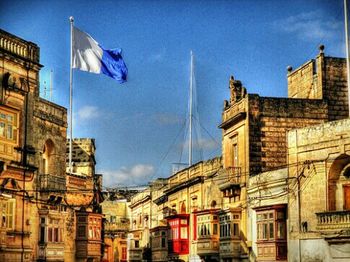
<point x="51" y="83"/>
<point x="45" y="89"/>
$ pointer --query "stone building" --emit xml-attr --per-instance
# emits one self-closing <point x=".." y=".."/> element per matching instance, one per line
<point x="319" y="199"/>
<point x="39" y="220"/>
<point x="267" y="204"/>
<point x="32" y="154"/>
<point x="84" y="198"/>
<point x="116" y="228"/>
<point x="255" y="141"/>
<point x="175" y="218"/>
<point x="138" y="237"/>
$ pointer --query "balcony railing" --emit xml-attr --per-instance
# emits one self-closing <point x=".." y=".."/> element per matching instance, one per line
<point x="333" y="220"/>
<point x="48" y="182"/>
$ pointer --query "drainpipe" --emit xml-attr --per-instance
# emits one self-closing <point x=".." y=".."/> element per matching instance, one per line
<point x="24" y="156"/>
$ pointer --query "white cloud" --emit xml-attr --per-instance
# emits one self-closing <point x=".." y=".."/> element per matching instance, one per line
<point x="208" y="144"/>
<point x="159" y="56"/>
<point x="167" y="119"/>
<point x="139" y="174"/>
<point x="203" y="144"/>
<point x="88" y="112"/>
<point x="309" y="26"/>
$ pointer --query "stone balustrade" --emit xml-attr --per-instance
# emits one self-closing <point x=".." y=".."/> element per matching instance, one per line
<point x="19" y="47"/>
<point x="333" y="220"/>
<point x="233" y="110"/>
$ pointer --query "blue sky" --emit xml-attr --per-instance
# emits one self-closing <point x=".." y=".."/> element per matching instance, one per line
<point x="139" y="125"/>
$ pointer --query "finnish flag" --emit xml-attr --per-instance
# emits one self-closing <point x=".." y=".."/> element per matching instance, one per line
<point x="90" y="56"/>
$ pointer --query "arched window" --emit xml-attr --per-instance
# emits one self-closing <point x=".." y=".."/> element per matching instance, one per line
<point x="48" y="159"/>
<point x="338" y="179"/>
<point x="183" y="208"/>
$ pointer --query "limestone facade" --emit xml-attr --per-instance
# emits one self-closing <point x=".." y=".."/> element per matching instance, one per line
<point x="173" y="217"/>
<point x="116" y="228"/>
<point x="32" y="145"/>
<point x="319" y="199"/>
<point x="38" y="221"/>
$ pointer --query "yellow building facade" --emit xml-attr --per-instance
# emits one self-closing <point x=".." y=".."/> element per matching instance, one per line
<point x="38" y="220"/>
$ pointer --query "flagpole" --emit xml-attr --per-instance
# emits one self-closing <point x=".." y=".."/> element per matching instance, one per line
<point x="71" y="19"/>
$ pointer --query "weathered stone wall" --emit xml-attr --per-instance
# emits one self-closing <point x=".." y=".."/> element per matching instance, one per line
<point x="313" y="152"/>
<point x="39" y="121"/>
<point x="50" y="124"/>
<point x="269" y="121"/>
<point x="19" y="85"/>
<point x="322" y="78"/>
<point x="302" y="82"/>
<point x="335" y="88"/>
<point x="83" y="156"/>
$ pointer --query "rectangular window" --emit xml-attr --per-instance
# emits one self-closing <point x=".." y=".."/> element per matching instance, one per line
<point x="8" y="125"/>
<point x="2" y="129"/>
<point x="174" y="233"/>
<point x="54" y="230"/>
<point x="42" y="230"/>
<point x="235" y="229"/>
<point x="271" y="225"/>
<point x="137" y="244"/>
<point x="56" y="235"/>
<point x="94" y="228"/>
<point x="10" y="213"/>
<point x="264" y="231"/>
<point x="124" y="253"/>
<point x="194" y="227"/>
<point x="281" y="230"/>
<point x="271" y="230"/>
<point x="235" y="155"/>
<point x="215" y="229"/>
<point x="163" y="242"/>
<point x="49" y="235"/>
<point x="81" y="231"/>
<point x="184" y="234"/>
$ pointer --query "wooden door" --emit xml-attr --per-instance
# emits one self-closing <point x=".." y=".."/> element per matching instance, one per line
<point x="346" y="189"/>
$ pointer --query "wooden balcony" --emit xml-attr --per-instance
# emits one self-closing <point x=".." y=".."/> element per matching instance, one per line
<point x="230" y="248"/>
<point x="333" y="220"/>
<point x="135" y="254"/>
<point x="207" y="246"/>
<point x="51" y="251"/>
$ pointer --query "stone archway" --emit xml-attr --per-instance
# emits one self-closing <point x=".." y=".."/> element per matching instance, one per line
<point x="334" y="173"/>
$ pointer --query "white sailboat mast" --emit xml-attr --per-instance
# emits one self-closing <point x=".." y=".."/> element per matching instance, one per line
<point x="191" y="114"/>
